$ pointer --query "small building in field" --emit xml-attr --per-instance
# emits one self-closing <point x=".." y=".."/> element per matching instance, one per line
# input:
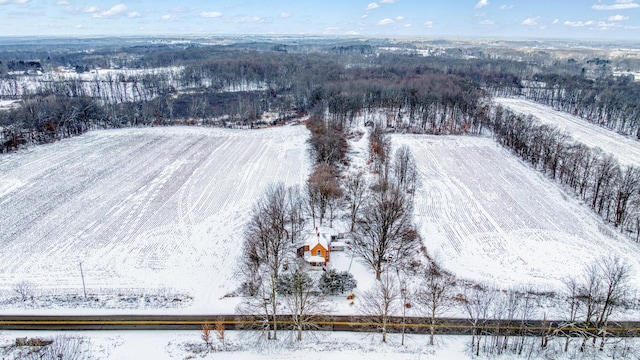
<point x="315" y="249"/>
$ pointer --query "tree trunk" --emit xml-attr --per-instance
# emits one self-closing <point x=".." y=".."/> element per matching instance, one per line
<point x="432" y="331"/>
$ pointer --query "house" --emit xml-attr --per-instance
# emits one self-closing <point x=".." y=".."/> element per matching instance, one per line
<point x="315" y="248"/>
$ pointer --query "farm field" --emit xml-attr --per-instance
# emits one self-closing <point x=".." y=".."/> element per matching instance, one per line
<point x="488" y="217"/>
<point x="625" y="149"/>
<point x="149" y="209"/>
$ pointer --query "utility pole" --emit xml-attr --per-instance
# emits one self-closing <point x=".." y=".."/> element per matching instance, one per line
<point x="403" y="291"/>
<point x="83" y="286"/>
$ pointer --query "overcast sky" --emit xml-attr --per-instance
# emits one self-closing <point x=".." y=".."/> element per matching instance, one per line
<point x="584" y="19"/>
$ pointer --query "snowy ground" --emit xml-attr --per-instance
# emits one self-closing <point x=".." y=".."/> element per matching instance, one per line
<point x="625" y="149"/>
<point x="160" y="345"/>
<point x="7" y="103"/>
<point x="143" y="210"/>
<point x="165" y="345"/>
<point x="488" y="217"/>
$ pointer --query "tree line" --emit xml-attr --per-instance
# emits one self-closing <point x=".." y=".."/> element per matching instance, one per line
<point x="238" y="87"/>
<point x="611" y="190"/>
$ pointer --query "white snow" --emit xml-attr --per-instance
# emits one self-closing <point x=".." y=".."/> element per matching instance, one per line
<point x="144" y="210"/>
<point x="625" y="149"/>
<point x="165" y="345"/>
<point x="115" y="85"/>
<point x="8" y="104"/>
<point x="161" y="345"/>
<point x="488" y="217"/>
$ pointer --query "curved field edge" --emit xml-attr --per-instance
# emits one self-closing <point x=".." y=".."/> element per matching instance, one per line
<point x="488" y="217"/>
<point x="625" y="149"/>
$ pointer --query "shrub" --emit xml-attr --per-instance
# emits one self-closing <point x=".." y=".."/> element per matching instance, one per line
<point x="335" y="283"/>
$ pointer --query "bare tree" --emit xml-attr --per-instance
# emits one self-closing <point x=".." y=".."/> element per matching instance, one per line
<point x="380" y="302"/>
<point x="25" y="290"/>
<point x="614" y="274"/>
<point x="379" y="153"/>
<point x="476" y="301"/>
<point x="267" y="248"/>
<point x="509" y="305"/>
<point x="355" y="191"/>
<point x="205" y="335"/>
<point x="324" y="191"/>
<point x="61" y="348"/>
<point x="590" y="295"/>
<point x="220" y="333"/>
<point x="627" y="187"/>
<point x="405" y="169"/>
<point x="434" y="295"/>
<point x="301" y="299"/>
<point x="384" y="233"/>
<point x="295" y="213"/>
<point x="573" y="305"/>
<point x="602" y="288"/>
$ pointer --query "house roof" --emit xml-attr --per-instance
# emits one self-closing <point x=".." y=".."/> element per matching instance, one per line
<point x="318" y="238"/>
<point x="315" y="259"/>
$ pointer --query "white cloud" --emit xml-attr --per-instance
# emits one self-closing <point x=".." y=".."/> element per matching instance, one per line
<point x="178" y="9"/>
<point x="487" y="22"/>
<point x="579" y="23"/>
<point x="387" y="1"/>
<point x="531" y="21"/>
<point x="168" y="17"/>
<point x="114" y="11"/>
<point x="556" y="21"/>
<point x="211" y="14"/>
<point x="429" y="24"/>
<point x="351" y="33"/>
<point x="619" y="5"/>
<point x="285" y="15"/>
<point x="365" y="16"/>
<point x="90" y="9"/>
<point x="385" y="21"/>
<point x="251" y="19"/>
<point x="134" y="14"/>
<point x="505" y="7"/>
<point x="600" y="25"/>
<point x="62" y="2"/>
<point x="399" y="18"/>
<point x="481" y="4"/>
<point x="407" y="25"/>
<point x="372" y="6"/>
<point x="617" y="18"/>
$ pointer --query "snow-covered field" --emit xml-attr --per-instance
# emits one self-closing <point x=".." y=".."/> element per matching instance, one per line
<point x="625" y="149"/>
<point x="488" y="217"/>
<point x="143" y="210"/>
